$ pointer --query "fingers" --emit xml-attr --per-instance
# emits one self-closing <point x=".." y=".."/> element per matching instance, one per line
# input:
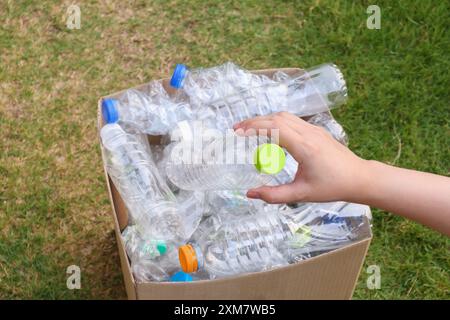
<point x="286" y="193"/>
<point x="288" y="137"/>
<point x="278" y="120"/>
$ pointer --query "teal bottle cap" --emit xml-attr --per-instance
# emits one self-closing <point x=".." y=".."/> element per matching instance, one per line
<point x="161" y="246"/>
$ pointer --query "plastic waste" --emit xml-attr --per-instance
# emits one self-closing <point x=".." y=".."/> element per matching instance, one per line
<point x="230" y="163"/>
<point x="193" y="211"/>
<point x="229" y="94"/>
<point x="151" y="259"/>
<point x="152" y="113"/>
<point x="140" y="248"/>
<point x="151" y="204"/>
<point x="326" y="121"/>
<point x="325" y="227"/>
<point x="267" y="240"/>
<point x="232" y="203"/>
<point x="202" y="86"/>
<point x="224" y="95"/>
<point x="288" y="173"/>
<point x="159" y="269"/>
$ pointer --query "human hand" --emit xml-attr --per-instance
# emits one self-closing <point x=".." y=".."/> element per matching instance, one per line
<point x="327" y="171"/>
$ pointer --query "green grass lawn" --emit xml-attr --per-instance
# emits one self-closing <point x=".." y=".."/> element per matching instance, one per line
<point x="54" y="209"/>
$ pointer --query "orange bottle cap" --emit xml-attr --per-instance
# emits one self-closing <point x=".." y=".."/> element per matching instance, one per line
<point x="188" y="258"/>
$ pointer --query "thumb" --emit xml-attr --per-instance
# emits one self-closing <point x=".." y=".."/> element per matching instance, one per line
<point x="291" y="192"/>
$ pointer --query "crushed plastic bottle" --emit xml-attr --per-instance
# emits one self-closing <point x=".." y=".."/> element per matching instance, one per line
<point x="232" y="203"/>
<point x="317" y="89"/>
<point x="245" y="245"/>
<point x="151" y="204"/>
<point x="204" y="85"/>
<point x="159" y="269"/>
<point x="288" y="173"/>
<point x="326" y="121"/>
<point x="151" y="259"/>
<point x="224" y="95"/>
<point x="152" y="113"/>
<point x="325" y="227"/>
<point x="138" y="247"/>
<point x="234" y="95"/>
<point x="230" y="163"/>
<point x="267" y="240"/>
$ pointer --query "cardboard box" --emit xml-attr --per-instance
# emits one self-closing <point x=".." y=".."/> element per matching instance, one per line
<point x="332" y="275"/>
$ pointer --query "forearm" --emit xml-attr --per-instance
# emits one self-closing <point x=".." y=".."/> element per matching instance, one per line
<point x="419" y="196"/>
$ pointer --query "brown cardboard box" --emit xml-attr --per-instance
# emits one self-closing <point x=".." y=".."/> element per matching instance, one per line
<point x="331" y="275"/>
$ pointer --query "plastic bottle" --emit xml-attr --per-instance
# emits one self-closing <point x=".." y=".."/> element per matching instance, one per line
<point x="151" y="205"/>
<point x="158" y="269"/>
<point x="139" y="248"/>
<point x="239" y="246"/>
<point x="316" y="90"/>
<point x="202" y="86"/>
<point x="326" y="226"/>
<point x="266" y="240"/>
<point x="288" y="173"/>
<point x="326" y="121"/>
<point x="233" y="163"/>
<point x="232" y="203"/>
<point x="151" y="259"/>
<point x="137" y="111"/>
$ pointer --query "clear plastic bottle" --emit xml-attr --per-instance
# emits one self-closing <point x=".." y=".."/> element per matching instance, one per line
<point x="324" y="227"/>
<point x="202" y="86"/>
<point x="326" y="121"/>
<point x="316" y="90"/>
<point x="288" y="173"/>
<point x="141" y="112"/>
<point x="158" y="269"/>
<point x="151" y="205"/>
<point x="139" y="248"/>
<point x="263" y="241"/>
<point x="234" y="163"/>
<point x="239" y="246"/>
<point x="235" y="203"/>
<point x="151" y="259"/>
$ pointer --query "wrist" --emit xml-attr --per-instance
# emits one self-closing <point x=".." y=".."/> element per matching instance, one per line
<point x="367" y="178"/>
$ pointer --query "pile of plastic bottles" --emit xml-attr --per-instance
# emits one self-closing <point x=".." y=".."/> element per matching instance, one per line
<point x="189" y="218"/>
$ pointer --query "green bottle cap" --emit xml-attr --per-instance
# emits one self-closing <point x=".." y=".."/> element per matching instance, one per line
<point x="161" y="246"/>
<point x="269" y="158"/>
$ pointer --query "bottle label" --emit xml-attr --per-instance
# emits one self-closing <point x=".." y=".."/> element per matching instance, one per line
<point x="301" y="236"/>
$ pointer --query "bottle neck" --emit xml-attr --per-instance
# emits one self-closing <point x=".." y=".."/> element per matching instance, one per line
<point x="199" y="256"/>
<point x="112" y="136"/>
<point x="186" y="74"/>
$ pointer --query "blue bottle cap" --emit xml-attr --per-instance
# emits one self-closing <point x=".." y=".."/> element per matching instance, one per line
<point x="181" y="276"/>
<point x="178" y="75"/>
<point x="109" y="110"/>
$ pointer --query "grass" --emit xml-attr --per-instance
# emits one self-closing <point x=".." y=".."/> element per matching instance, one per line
<point x="54" y="210"/>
